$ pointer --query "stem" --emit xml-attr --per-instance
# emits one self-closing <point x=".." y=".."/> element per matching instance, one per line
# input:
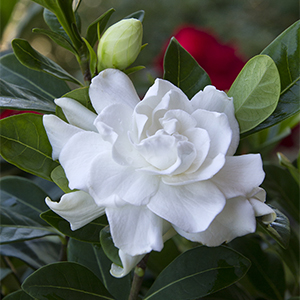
<point x="139" y="273"/>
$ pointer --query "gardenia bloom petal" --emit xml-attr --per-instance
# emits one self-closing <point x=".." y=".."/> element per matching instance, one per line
<point x="160" y="163"/>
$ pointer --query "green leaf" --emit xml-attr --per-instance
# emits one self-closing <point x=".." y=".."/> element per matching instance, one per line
<point x="133" y="69"/>
<point x="255" y="92"/>
<point x="203" y="271"/>
<point x="181" y="69"/>
<point x="12" y="71"/>
<point x="279" y="229"/>
<point x="65" y="280"/>
<point x="93" y="257"/>
<point x="36" y="61"/>
<point x="66" y="17"/>
<point x="24" y="143"/>
<point x="57" y="38"/>
<point x="7" y="8"/>
<point x="20" y="210"/>
<point x="140" y="14"/>
<point x="59" y="177"/>
<point x="93" y="58"/>
<point x="284" y="50"/>
<point x="282" y="188"/>
<point x="266" y="272"/>
<point x="88" y="233"/>
<point x="110" y="250"/>
<point x="35" y="253"/>
<point x="284" y="161"/>
<point x="13" y="96"/>
<point x="18" y="295"/>
<point x="91" y="34"/>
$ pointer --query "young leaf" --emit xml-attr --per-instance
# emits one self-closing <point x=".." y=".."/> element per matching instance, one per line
<point x="13" y="96"/>
<point x="279" y="229"/>
<point x="24" y="143"/>
<point x="140" y="14"/>
<point x="45" y="85"/>
<point x="203" y="271"/>
<point x="65" y="280"/>
<point x="59" y="177"/>
<point x="57" y="38"/>
<point x="93" y="58"/>
<point x="93" y="257"/>
<point x="255" y="92"/>
<point x="108" y="246"/>
<point x="88" y="233"/>
<point x="181" y="69"/>
<point x="91" y="34"/>
<point x="36" y="61"/>
<point x="284" y="50"/>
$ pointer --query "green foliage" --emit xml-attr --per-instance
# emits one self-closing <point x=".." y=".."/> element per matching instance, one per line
<point x="284" y="50"/>
<point x="88" y="233"/>
<point x="36" y="61"/>
<point x="24" y="143"/>
<point x="96" y="28"/>
<point x="18" y="295"/>
<point x="20" y="210"/>
<point x="181" y="69"/>
<point x="203" y="270"/>
<point x="5" y="13"/>
<point x="284" y="161"/>
<point x="65" y="280"/>
<point x="26" y="88"/>
<point x="93" y="257"/>
<point x="137" y="15"/>
<point x="108" y="246"/>
<point x="255" y="92"/>
<point x="59" y="177"/>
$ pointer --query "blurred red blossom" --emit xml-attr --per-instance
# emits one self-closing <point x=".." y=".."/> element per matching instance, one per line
<point x="220" y="61"/>
<point x="10" y="112"/>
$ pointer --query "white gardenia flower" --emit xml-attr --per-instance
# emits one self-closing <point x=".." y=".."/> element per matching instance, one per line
<point x="155" y="165"/>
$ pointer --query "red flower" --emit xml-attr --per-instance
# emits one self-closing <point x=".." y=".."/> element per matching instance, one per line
<point x="219" y="60"/>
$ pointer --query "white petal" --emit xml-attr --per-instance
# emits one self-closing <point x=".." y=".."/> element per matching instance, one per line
<point x="218" y="129"/>
<point x="236" y="219"/>
<point x="214" y="100"/>
<point x="128" y="262"/>
<point x="58" y="132"/>
<point x="77" y="114"/>
<point x="112" y="86"/>
<point x="78" y="208"/>
<point x="77" y="157"/>
<point x="240" y="175"/>
<point x="135" y="229"/>
<point x="108" y="178"/>
<point x="190" y="207"/>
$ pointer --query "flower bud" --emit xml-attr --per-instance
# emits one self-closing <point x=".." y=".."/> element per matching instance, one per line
<point x="120" y="44"/>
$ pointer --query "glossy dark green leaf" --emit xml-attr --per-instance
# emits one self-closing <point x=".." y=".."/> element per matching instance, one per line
<point x="282" y="188"/>
<point x="284" y="50"/>
<point x="66" y="17"/>
<point x="266" y="272"/>
<point x="88" y="233"/>
<point x="279" y="229"/>
<point x="59" y="177"/>
<point x="182" y="70"/>
<point x="93" y="257"/>
<point x="36" y="61"/>
<point x="137" y="15"/>
<point x="92" y="31"/>
<point x="199" y="272"/>
<point x="110" y="250"/>
<point x="12" y="71"/>
<point x="18" y="295"/>
<point x="159" y="260"/>
<point x="24" y="143"/>
<point x="35" y="253"/>
<point x="255" y="92"/>
<point x="65" y="280"/>
<point x="57" y="38"/>
<point x="13" y="96"/>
